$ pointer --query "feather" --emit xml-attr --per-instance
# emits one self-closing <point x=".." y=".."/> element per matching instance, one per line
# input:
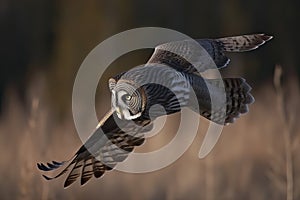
<point x="202" y="54"/>
<point x="100" y="154"/>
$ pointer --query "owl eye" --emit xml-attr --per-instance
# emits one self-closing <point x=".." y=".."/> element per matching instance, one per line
<point x="127" y="97"/>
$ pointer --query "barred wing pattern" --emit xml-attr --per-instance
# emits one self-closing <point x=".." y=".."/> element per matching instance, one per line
<point x="189" y="57"/>
<point x="114" y="138"/>
<point x="107" y="146"/>
<point x="236" y="100"/>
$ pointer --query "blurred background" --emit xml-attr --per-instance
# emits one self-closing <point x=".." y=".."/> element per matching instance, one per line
<point x="43" y="43"/>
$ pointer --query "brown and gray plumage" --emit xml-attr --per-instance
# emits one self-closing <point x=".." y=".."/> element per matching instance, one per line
<point x="136" y="91"/>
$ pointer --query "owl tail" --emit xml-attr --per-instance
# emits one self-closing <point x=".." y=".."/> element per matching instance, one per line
<point x="236" y="98"/>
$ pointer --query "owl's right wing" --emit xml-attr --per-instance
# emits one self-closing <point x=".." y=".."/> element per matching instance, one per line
<point x="111" y="143"/>
<point x="193" y="56"/>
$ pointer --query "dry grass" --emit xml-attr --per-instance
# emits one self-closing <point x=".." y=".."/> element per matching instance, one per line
<point x="249" y="161"/>
<point x="286" y="184"/>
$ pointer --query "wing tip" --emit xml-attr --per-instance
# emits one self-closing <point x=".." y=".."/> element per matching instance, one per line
<point x="260" y="39"/>
<point x="50" y="166"/>
<point x="243" y="43"/>
<point x="83" y="181"/>
<point x="265" y="37"/>
<point x="47" y="177"/>
<point x="68" y="183"/>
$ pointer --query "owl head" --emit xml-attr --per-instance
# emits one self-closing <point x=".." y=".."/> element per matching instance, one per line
<point x="128" y="100"/>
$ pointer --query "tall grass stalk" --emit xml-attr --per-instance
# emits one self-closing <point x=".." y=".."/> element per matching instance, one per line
<point x="287" y="129"/>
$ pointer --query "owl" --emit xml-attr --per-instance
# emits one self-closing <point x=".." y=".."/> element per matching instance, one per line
<point x="172" y="79"/>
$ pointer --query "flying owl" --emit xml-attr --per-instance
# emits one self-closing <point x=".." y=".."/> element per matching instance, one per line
<point x="169" y="78"/>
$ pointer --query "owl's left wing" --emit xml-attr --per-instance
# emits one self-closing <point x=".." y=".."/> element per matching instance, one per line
<point x="193" y="56"/>
<point x="110" y="143"/>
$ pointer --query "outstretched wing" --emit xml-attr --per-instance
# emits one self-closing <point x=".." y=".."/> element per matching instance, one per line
<point x="111" y="143"/>
<point x="194" y="56"/>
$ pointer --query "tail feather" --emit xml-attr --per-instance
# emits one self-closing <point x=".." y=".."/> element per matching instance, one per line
<point x="238" y="98"/>
<point x="237" y="93"/>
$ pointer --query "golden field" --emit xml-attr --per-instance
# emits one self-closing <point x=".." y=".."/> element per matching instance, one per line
<point x="250" y="161"/>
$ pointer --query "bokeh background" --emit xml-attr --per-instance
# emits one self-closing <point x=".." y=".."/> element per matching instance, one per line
<point x="43" y="43"/>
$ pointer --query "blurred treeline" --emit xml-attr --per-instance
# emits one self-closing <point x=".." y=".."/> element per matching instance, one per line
<point x="51" y="38"/>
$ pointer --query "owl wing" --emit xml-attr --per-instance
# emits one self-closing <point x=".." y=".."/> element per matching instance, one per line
<point x="200" y="55"/>
<point x="110" y="143"/>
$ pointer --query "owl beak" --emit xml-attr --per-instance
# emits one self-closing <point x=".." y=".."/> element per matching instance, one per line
<point x="119" y="113"/>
